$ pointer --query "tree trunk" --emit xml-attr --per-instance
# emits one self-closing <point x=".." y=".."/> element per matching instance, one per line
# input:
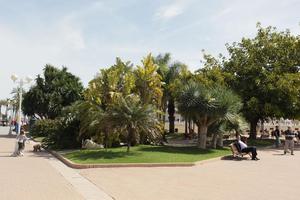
<point x="262" y="127"/>
<point x="214" y="141"/>
<point x="171" y="112"/>
<point x="128" y="145"/>
<point x="202" y="136"/>
<point x="220" y="141"/>
<point x="106" y="139"/>
<point x="253" y="131"/>
<point x="129" y="138"/>
<point x="185" y="127"/>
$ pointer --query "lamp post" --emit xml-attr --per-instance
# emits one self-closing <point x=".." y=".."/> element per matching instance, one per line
<point x="21" y="82"/>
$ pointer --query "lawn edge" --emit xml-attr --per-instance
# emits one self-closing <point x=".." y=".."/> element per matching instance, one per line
<point x="71" y="164"/>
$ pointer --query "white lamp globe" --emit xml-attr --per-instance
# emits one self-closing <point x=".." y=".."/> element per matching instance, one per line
<point x="14" y="77"/>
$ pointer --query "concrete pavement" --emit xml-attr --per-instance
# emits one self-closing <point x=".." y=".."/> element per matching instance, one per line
<point x="39" y="176"/>
<point x="274" y="177"/>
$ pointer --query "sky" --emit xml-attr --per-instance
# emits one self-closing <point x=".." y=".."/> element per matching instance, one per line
<point x="87" y="35"/>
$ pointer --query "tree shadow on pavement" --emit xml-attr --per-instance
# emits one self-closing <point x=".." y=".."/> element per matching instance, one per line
<point x="8" y="136"/>
<point x="232" y="158"/>
<point x="42" y="154"/>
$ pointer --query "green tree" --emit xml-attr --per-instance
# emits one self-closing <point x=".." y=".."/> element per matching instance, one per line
<point x="51" y="93"/>
<point x="148" y="82"/>
<point x="205" y="105"/>
<point x="212" y="73"/>
<point x="102" y="93"/>
<point x="133" y="117"/>
<point x="264" y="71"/>
<point x="170" y="74"/>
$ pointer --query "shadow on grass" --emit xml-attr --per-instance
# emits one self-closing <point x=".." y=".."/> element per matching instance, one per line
<point x="179" y="150"/>
<point x="96" y="155"/>
<point x="137" y="151"/>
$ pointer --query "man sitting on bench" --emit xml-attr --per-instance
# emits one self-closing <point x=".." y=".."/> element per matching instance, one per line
<point x="247" y="149"/>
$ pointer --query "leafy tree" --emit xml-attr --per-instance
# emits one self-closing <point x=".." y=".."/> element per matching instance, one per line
<point x="212" y="74"/>
<point x="205" y="105"/>
<point x="133" y="117"/>
<point x="264" y="71"/>
<point x="101" y="94"/>
<point x="148" y="82"/>
<point x="56" y="89"/>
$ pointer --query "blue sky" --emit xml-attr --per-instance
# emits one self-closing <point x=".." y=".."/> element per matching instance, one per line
<point x="86" y="35"/>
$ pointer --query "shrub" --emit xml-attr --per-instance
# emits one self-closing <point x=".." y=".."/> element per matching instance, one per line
<point x="43" y="128"/>
<point x="65" y="136"/>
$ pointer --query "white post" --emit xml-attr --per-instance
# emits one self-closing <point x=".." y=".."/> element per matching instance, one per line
<point x="20" y="104"/>
<point x="10" y="118"/>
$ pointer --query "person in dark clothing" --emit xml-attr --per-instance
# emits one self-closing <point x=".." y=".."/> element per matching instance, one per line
<point x="277" y="137"/>
<point x="247" y="149"/>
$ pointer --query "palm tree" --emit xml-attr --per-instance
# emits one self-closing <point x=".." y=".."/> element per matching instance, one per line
<point x="234" y="123"/>
<point x="101" y="94"/>
<point x="93" y="121"/>
<point x="171" y="75"/>
<point x="206" y="105"/>
<point x="133" y="117"/>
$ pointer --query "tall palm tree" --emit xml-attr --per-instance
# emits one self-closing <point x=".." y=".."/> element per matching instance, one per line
<point x="207" y="105"/>
<point x="133" y="117"/>
<point x="171" y="74"/>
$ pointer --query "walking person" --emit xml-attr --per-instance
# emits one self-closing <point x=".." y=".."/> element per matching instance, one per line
<point x="289" y="140"/>
<point x="21" y="139"/>
<point x="277" y="136"/>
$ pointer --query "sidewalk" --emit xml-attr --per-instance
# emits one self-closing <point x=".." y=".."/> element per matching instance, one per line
<point x="274" y="177"/>
<point x="39" y="176"/>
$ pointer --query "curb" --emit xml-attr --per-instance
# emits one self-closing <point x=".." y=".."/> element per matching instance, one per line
<point x="118" y="165"/>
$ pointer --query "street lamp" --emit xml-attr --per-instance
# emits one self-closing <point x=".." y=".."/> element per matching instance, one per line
<point x="21" y="82"/>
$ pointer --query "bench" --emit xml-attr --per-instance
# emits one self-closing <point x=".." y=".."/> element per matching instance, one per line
<point x="236" y="153"/>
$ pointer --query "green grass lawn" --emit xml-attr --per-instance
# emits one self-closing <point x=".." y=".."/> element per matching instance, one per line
<point x="145" y="154"/>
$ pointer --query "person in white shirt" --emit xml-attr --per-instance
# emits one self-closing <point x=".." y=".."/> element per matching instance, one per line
<point x="247" y="149"/>
<point x="21" y="139"/>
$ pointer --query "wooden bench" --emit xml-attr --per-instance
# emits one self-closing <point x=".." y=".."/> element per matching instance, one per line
<point x="236" y="153"/>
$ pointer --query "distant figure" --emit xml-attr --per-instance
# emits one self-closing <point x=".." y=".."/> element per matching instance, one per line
<point x="289" y="140"/>
<point x="277" y="136"/>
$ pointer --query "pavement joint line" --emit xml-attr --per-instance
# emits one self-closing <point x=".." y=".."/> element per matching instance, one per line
<point x="82" y="185"/>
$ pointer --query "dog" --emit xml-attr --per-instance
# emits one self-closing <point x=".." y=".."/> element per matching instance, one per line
<point x="37" y="147"/>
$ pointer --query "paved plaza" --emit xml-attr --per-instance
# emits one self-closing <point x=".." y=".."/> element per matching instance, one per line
<point x="274" y="177"/>
<point x="39" y="176"/>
